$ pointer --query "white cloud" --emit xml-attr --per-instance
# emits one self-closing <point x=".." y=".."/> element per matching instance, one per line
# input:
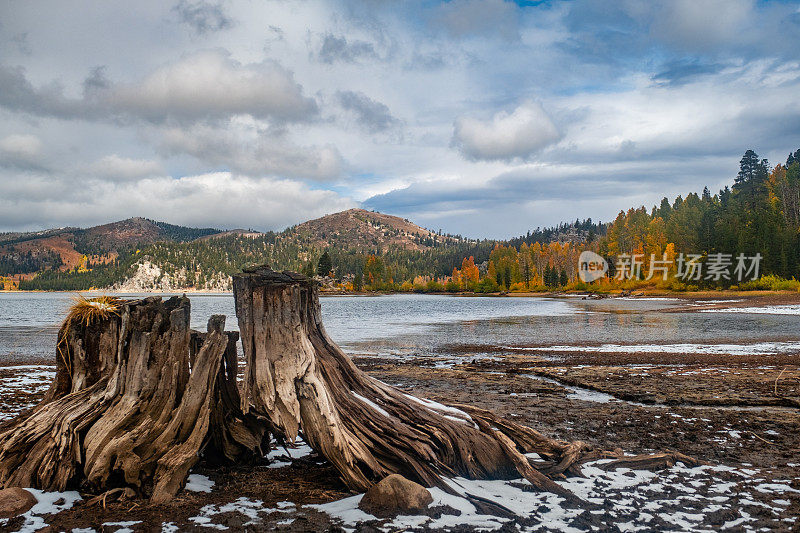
<point x="220" y="199"/>
<point x="463" y="18"/>
<point x="246" y="148"/>
<point x="27" y="146"/>
<point x="691" y="24"/>
<point x="702" y="118"/>
<point x="211" y="85"/>
<point x="518" y="134"/>
<point x="115" y="168"/>
<point x="21" y="151"/>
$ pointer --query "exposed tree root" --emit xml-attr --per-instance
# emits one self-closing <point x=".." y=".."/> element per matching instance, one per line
<point x="298" y="378"/>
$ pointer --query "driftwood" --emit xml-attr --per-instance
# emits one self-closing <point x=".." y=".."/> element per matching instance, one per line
<point x="139" y="399"/>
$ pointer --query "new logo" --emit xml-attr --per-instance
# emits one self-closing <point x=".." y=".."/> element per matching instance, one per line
<point x="591" y="266"/>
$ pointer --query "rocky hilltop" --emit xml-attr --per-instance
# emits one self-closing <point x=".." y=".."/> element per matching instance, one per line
<point x="358" y="228"/>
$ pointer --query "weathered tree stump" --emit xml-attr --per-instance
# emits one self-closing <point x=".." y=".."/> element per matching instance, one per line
<point x="298" y="379"/>
<point x="127" y="408"/>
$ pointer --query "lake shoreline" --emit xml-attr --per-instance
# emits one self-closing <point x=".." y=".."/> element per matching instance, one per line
<point x="717" y="409"/>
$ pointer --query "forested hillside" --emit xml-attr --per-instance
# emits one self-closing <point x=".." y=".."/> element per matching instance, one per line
<point x="758" y="214"/>
<point x="747" y="236"/>
<point x="403" y="249"/>
<point x="79" y="251"/>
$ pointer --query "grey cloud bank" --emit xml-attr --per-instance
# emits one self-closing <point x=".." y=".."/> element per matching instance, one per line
<point x="486" y="118"/>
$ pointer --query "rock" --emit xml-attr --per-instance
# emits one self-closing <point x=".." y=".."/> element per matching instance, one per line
<point x="14" y="501"/>
<point x="395" y="495"/>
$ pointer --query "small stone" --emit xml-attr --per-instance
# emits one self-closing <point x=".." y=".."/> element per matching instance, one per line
<point x="395" y="495"/>
<point x="14" y="501"/>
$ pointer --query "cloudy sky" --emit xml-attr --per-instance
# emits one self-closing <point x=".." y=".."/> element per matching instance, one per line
<point x="480" y="117"/>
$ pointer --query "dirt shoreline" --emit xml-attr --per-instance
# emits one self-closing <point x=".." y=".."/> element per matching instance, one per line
<point x="765" y="439"/>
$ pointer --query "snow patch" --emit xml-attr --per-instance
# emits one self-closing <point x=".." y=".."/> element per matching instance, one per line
<point x="300" y="449"/>
<point x="199" y="483"/>
<point x="252" y="509"/>
<point x="46" y="503"/>
<point x="455" y="414"/>
<point x="124" y="527"/>
<point x="679" y="498"/>
<point x="372" y="404"/>
<point x="759" y="348"/>
<point x="763" y="310"/>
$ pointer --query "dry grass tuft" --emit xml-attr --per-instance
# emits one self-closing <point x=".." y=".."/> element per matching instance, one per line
<point x="85" y="312"/>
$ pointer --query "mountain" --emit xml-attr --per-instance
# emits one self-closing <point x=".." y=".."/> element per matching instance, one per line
<point x="381" y="251"/>
<point x="358" y="228"/>
<point x="137" y="231"/>
<point x="22" y="255"/>
<point x="140" y="254"/>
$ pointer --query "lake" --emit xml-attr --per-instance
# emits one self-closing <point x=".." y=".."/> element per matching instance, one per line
<point x="435" y="325"/>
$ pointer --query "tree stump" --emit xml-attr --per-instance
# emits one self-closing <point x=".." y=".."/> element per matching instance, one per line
<point x="132" y="404"/>
<point x="298" y="379"/>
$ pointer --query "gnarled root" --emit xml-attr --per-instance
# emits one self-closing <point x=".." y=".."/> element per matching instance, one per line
<point x="297" y="377"/>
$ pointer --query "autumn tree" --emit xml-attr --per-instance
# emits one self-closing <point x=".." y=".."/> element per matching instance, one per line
<point x="469" y="274"/>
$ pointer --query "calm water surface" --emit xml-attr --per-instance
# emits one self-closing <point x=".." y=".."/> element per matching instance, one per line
<point x="401" y="325"/>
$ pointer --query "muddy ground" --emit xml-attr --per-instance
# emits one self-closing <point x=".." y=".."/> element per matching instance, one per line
<point x="728" y="410"/>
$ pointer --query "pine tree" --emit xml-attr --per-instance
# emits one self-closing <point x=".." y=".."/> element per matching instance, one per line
<point x="793" y="158"/>
<point x="748" y="169"/>
<point x="324" y="266"/>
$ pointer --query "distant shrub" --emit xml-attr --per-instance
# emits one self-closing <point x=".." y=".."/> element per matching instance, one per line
<point x="673" y="284"/>
<point x="434" y="286"/>
<point x="486" y="285"/>
<point x="771" y="282"/>
<point x="539" y="288"/>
